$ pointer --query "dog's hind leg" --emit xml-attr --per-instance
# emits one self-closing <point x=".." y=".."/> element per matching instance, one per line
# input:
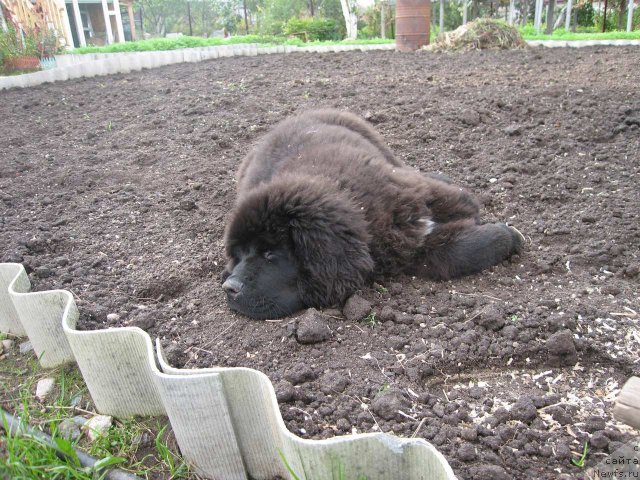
<point x="463" y="247"/>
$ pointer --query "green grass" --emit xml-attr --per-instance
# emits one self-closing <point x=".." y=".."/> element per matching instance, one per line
<point x="155" y="44"/>
<point x="529" y="33"/>
<point x="337" y="470"/>
<point x="27" y="457"/>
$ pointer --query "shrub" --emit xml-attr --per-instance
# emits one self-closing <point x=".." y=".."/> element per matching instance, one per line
<point x="586" y="15"/>
<point x="316" y="29"/>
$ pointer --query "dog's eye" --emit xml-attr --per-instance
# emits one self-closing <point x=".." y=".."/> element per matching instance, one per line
<point x="269" y="255"/>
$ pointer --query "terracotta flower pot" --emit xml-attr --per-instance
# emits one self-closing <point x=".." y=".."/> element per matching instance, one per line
<point x="13" y="64"/>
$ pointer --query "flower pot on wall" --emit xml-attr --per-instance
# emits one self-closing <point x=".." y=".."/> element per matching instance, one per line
<point x="13" y="64"/>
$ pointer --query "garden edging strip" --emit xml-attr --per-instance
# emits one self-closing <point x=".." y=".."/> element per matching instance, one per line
<point x="226" y="420"/>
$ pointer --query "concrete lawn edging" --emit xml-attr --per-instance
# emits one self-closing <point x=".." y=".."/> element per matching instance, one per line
<point x="72" y="66"/>
<point x="226" y="420"/>
<point x="88" y="65"/>
<point x="583" y="43"/>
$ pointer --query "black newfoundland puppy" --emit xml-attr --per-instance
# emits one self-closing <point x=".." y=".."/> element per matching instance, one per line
<point x="323" y="205"/>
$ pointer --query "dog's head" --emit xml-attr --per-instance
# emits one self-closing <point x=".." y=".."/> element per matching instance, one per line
<point x="296" y="242"/>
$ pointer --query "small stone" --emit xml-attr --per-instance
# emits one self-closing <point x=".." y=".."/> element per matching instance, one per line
<point x="388" y="403"/>
<point x="7" y="344"/>
<point x="113" y="317"/>
<point x="562" y="349"/>
<point x="44" y="388"/>
<point x="312" y="327"/>
<point x="467" y="452"/>
<point x="69" y="429"/>
<point x="26" y="347"/>
<point x="97" y="426"/>
<point x="356" y="308"/>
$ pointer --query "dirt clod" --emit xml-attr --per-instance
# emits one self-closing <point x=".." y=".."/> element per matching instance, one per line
<point x="356" y="308"/>
<point x="300" y="373"/>
<point x="312" y="327"/>
<point x="387" y="404"/>
<point x="562" y="349"/>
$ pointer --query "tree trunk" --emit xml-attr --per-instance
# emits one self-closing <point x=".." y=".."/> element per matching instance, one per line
<point x="550" y="12"/>
<point x="621" y="9"/>
<point x="561" y="15"/>
<point x="350" y="19"/>
<point x="189" y="13"/>
<point x="524" y="12"/>
<point x="475" y="9"/>
<point x="246" y="21"/>
<point x="604" y="17"/>
<point x="310" y="4"/>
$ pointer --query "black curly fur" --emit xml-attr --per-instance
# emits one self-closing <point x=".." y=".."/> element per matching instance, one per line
<point x="324" y="185"/>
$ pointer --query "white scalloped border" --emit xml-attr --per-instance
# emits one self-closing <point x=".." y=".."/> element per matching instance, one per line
<point x="226" y="420"/>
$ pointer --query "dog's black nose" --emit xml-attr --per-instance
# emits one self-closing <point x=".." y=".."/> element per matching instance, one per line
<point x="232" y="286"/>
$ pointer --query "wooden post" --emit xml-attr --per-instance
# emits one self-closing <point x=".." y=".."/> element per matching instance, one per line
<point x="107" y="21"/>
<point x="512" y="11"/>
<point x="132" y="19"/>
<point x="116" y="9"/>
<point x="627" y="406"/>
<point x="464" y="11"/>
<point x="79" y="26"/>
<point x="630" y="16"/>
<point x="567" y="21"/>
<point x="68" y="36"/>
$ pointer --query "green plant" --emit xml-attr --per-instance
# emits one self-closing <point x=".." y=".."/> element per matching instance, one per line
<point x="313" y="29"/>
<point x="176" y="466"/>
<point x="581" y="461"/>
<point x="371" y="320"/>
<point x="337" y="471"/>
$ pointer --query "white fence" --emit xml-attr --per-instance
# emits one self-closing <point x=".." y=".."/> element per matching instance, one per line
<point x="91" y="65"/>
<point x="226" y="420"/>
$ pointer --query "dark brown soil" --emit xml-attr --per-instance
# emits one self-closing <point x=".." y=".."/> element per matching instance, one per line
<point x="117" y="188"/>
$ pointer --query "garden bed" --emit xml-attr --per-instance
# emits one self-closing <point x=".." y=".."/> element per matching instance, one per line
<point x="117" y="188"/>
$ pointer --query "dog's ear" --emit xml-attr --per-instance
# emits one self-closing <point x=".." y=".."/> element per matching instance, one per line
<point x="330" y="243"/>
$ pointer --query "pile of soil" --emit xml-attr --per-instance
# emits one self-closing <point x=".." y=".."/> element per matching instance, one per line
<point x="117" y="188"/>
<point x="483" y="33"/>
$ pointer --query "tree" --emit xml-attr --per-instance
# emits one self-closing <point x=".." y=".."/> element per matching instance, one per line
<point x="550" y="12"/>
<point x="349" y="11"/>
